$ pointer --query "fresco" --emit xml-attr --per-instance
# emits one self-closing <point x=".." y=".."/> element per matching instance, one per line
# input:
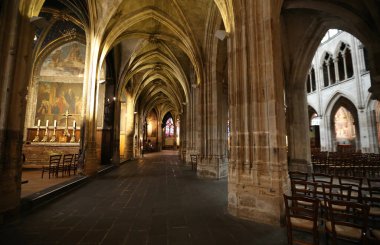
<point x="60" y="85"/>
<point x="67" y="60"/>
<point x="54" y="99"/>
<point x="344" y="126"/>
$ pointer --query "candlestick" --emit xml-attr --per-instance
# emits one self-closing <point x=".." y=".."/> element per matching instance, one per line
<point x="53" y="138"/>
<point x="45" y="138"/>
<point x="72" y="140"/>
<point x="37" y="138"/>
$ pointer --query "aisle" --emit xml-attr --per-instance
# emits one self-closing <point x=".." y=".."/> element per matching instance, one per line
<point x="154" y="200"/>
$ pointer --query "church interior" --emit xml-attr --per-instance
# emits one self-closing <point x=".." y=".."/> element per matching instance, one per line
<point x="242" y="100"/>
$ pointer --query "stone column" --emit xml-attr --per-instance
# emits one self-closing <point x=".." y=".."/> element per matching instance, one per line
<point x="116" y="134"/>
<point x="193" y="123"/>
<point x="298" y="129"/>
<point x="129" y="127"/>
<point x="336" y="68"/>
<point x="182" y="134"/>
<point x="258" y="173"/>
<point x="213" y="162"/>
<point x="90" y="87"/>
<point x="16" y="62"/>
<point x="159" y="132"/>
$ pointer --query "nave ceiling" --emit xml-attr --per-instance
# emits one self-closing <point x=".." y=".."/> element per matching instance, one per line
<point x="159" y="48"/>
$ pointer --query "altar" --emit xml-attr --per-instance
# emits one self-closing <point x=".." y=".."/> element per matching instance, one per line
<point x="42" y="142"/>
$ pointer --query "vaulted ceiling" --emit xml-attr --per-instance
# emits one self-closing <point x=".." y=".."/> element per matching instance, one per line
<point x="158" y="46"/>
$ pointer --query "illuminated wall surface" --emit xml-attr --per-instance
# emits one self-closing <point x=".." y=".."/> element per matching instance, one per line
<point x="344" y="126"/>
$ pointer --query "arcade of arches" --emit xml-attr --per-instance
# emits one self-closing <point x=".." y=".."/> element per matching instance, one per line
<point x="154" y="74"/>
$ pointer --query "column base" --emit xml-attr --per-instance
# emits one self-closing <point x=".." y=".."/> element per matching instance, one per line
<point x="91" y="161"/>
<point x="257" y="195"/>
<point x="212" y="167"/>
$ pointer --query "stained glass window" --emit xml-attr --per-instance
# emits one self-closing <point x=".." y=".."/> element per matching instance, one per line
<point x="169" y="128"/>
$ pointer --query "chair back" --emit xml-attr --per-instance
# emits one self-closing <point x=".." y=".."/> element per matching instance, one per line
<point x="301" y="214"/>
<point x="356" y="186"/>
<point x="347" y="220"/>
<point x="303" y="188"/>
<point x="297" y="175"/>
<point x="67" y="159"/>
<point x="55" y="160"/>
<point x="322" y="178"/>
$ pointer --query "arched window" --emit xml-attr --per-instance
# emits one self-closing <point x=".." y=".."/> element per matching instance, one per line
<point x="328" y="70"/>
<point x="311" y="83"/>
<point x="366" y="63"/>
<point x="345" y="67"/>
<point x="169" y="128"/>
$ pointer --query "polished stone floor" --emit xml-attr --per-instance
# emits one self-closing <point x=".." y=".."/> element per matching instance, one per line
<point x="154" y="200"/>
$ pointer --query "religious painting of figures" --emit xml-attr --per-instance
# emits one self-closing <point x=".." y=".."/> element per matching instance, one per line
<point x="66" y="61"/>
<point x="54" y="99"/>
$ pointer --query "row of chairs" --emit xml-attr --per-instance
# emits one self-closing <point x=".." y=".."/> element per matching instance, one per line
<point x="359" y="185"/>
<point x="68" y="164"/>
<point x="352" y="164"/>
<point x="339" y="210"/>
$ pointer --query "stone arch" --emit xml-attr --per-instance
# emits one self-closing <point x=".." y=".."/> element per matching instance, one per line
<point x="336" y="103"/>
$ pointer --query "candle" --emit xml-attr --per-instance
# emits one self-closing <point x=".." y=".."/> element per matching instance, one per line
<point x="39" y="122"/>
<point x="47" y="123"/>
<point x="74" y="124"/>
<point x="55" y="123"/>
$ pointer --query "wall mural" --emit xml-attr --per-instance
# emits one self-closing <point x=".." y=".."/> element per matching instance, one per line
<point x="344" y="127"/>
<point x="60" y="85"/>
<point x="54" y="99"/>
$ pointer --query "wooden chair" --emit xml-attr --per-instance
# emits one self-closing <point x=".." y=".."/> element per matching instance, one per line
<point x="64" y="167"/>
<point x="334" y="192"/>
<point x="322" y="178"/>
<point x="373" y="218"/>
<point x="303" y="188"/>
<point x="297" y="175"/>
<point x="194" y="162"/>
<point x="300" y="217"/>
<point x="74" y="164"/>
<point x="52" y="167"/>
<point x="356" y="184"/>
<point x="346" y="220"/>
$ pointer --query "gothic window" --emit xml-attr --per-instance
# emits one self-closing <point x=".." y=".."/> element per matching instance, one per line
<point x="169" y="128"/>
<point x="345" y="68"/>
<point x="311" y="83"/>
<point x="328" y="70"/>
<point x="366" y="63"/>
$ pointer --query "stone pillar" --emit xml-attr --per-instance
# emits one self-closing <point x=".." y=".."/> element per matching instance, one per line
<point x="336" y="68"/>
<point x="90" y="87"/>
<point x="16" y="62"/>
<point x="182" y="134"/>
<point x="159" y="132"/>
<point x="116" y="134"/>
<point x="193" y="123"/>
<point x="129" y="127"/>
<point x="213" y="161"/>
<point x="298" y="129"/>
<point x="258" y="173"/>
